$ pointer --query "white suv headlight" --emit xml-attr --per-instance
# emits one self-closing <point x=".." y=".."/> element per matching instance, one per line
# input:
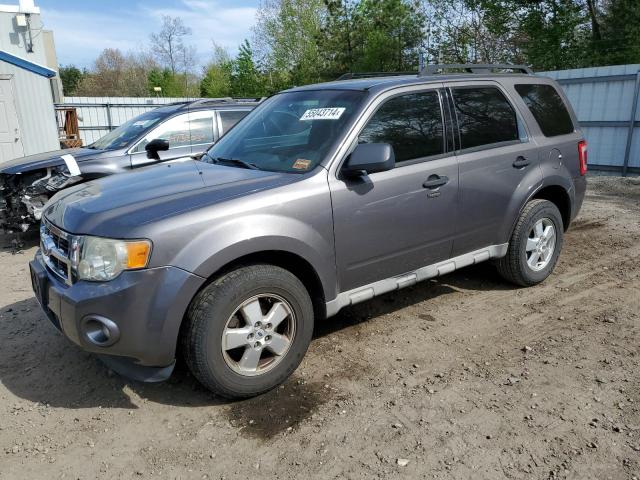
<point x="104" y="259"/>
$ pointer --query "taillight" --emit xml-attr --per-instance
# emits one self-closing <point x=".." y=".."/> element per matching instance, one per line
<point x="582" y="156"/>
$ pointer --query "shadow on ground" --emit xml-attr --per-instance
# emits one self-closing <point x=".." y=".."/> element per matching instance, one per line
<point x="39" y="364"/>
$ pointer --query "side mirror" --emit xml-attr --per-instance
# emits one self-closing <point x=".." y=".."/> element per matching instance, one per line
<point x="156" y="145"/>
<point x="369" y="158"/>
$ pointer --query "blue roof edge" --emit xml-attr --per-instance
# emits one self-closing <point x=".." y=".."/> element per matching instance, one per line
<point x="27" y="65"/>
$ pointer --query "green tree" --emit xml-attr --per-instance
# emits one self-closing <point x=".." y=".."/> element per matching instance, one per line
<point x="373" y="35"/>
<point x="619" y="42"/>
<point x="245" y="80"/>
<point x="71" y="77"/>
<point x="287" y="38"/>
<point x="216" y="81"/>
<point x="172" y="85"/>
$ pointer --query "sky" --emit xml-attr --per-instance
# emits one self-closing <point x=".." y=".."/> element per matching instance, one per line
<point x="83" y="28"/>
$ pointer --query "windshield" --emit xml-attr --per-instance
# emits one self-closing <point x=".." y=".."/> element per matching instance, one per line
<point x="290" y="132"/>
<point x="129" y="131"/>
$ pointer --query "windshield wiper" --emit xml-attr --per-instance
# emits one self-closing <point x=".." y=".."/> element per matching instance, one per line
<point x="235" y="161"/>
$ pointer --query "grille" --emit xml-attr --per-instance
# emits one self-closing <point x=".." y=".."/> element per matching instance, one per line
<point x="59" y="250"/>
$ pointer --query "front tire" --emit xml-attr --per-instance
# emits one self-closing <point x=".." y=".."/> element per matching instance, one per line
<point x="247" y="331"/>
<point x="534" y="246"/>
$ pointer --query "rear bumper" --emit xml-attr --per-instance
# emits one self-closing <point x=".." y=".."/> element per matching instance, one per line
<point x="145" y="307"/>
<point x="580" y="186"/>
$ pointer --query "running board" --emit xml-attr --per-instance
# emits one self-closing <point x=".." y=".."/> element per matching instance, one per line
<point x="367" y="292"/>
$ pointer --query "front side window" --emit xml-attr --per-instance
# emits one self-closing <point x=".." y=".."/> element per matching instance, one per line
<point x="195" y="128"/>
<point x="128" y="132"/>
<point x="289" y="132"/>
<point x="411" y="124"/>
<point x="484" y="116"/>
<point x="547" y="108"/>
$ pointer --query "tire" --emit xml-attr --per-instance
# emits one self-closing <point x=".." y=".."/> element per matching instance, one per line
<point x="516" y="266"/>
<point x="217" y="311"/>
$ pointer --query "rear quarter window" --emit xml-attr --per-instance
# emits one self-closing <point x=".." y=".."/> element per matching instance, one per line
<point x="547" y="108"/>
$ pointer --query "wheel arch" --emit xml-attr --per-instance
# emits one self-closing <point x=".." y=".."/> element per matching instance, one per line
<point x="556" y="193"/>
<point x="292" y="262"/>
<point x="559" y="196"/>
<point x="287" y="260"/>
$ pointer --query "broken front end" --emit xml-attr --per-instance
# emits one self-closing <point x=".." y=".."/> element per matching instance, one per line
<point x="24" y="195"/>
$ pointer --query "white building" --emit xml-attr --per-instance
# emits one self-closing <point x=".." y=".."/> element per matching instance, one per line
<point x="29" y="83"/>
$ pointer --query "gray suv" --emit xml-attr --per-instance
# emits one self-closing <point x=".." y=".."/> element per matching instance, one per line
<point x="322" y="197"/>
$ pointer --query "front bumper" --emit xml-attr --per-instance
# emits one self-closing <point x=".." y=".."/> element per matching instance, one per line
<point x="147" y="306"/>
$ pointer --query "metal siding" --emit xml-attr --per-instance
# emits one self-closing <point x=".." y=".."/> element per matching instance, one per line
<point x="33" y="97"/>
<point x="94" y="114"/>
<point x="608" y="100"/>
<point x="34" y="107"/>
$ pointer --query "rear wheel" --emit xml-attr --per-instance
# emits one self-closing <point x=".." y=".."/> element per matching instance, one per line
<point x="534" y="246"/>
<point x="248" y="331"/>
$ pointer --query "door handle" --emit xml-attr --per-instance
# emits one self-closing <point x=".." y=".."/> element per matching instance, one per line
<point x="435" y="181"/>
<point x="521" y="162"/>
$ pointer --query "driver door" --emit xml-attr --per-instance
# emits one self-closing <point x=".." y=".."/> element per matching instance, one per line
<point x="184" y="132"/>
<point x="390" y="223"/>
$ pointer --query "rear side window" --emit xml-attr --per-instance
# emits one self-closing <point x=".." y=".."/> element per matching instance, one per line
<point x="230" y="117"/>
<point x="547" y="108"/>
<point x="411" y="123"/>
<point x="484" y="116"/>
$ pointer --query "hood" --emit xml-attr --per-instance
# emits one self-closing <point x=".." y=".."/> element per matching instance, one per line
<point x="47" y="159"/>
<point x="120" y="206"/>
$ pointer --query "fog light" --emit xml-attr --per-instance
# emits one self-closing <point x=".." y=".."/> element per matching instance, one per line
<point x="99" y="331"/>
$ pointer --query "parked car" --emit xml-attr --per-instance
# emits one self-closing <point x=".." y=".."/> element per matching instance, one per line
<point x="322" y="197"/>
<point x="165" y="133"/>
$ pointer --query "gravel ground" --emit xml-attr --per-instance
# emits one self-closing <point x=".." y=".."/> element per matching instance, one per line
<point x="461" y="377"/>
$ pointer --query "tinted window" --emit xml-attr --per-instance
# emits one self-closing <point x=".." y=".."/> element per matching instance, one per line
<point x="484" y="116"/>
<point x="547" y="108"/>
<point x="230" y="117"/>
<point x="412" y="124"/>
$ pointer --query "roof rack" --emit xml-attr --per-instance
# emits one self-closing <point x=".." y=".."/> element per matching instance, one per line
<point x="480" y="68"/>
<point x="352" y="75"/>
<point x="205" y="101"/>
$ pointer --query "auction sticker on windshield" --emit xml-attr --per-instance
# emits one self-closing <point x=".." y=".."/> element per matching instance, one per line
<point x="323" y="113"/>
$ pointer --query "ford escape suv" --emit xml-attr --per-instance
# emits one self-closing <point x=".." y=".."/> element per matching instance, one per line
<point x="322" y="197"/>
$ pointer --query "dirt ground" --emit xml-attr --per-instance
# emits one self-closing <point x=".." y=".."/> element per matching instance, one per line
<point x="461" y="377"/>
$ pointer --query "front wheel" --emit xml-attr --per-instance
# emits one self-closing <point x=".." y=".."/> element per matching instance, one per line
<point x="534" y="246"/>
<point x="248" y="331"/>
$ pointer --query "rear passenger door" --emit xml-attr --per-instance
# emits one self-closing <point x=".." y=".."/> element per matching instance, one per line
<point x="496" y="157"/>
<point x="393" y="222"/>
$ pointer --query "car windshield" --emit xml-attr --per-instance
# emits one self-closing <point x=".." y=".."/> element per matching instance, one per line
<point x="129" y="131"/>
<point x="289" y="132"/>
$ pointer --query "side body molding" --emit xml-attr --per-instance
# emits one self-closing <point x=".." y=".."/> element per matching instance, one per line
<point x="367" y="292"/>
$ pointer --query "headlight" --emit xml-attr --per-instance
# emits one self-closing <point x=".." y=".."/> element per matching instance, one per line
<point x="104" y="259"/>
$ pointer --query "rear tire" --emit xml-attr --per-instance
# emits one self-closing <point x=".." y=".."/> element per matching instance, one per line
<point x="534" y="246"/>
<point x="247" y="331"/>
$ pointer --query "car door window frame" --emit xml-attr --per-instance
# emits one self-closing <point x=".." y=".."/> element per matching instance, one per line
<point x="133" y="150"/>
<point x="426" y="158"/>
<point x="523" y="129"/>
<point x="351" y="140"/>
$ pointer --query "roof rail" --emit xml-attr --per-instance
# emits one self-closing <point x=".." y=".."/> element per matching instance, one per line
<point x="480" y="68"/>
<point x="352" y="75"/>
<point x="205" y="101"/>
